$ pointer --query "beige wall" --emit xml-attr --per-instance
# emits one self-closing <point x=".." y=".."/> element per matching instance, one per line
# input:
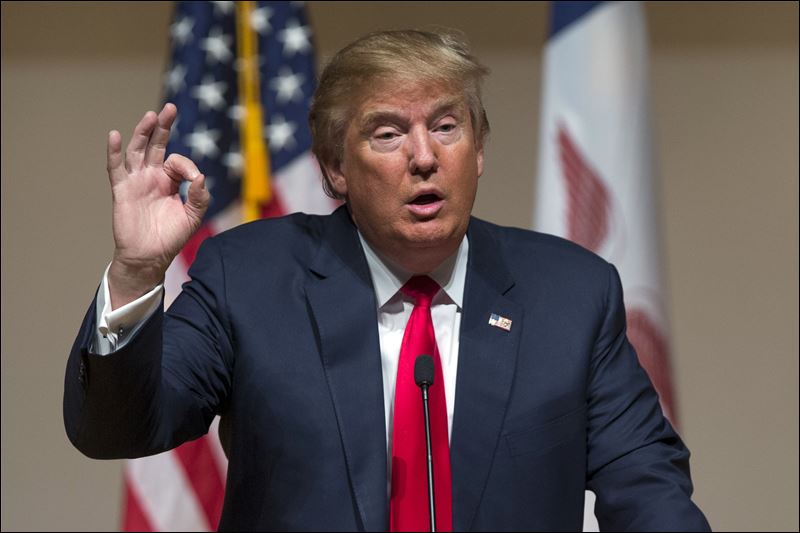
<point x="725" y="93"/>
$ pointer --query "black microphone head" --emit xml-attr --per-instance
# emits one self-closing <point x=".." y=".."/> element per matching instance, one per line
<point x="423" y="370"/>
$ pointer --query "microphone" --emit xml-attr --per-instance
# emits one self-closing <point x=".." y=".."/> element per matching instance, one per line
<point x="423" y="377"/>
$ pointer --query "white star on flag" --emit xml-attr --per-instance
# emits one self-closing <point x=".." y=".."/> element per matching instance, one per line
<point x="181" y="31"/>
<point x="281" y="133"/>
<point x="203" y="142"/>
<point x="217" y="46"/>
<point x="210" y="94"/>
<point x="236" y="113"/>
<point x="287" y="84"/>
<point x="235" y="162"/>
<point x="174" y="80"/>
<point x="259" y="20"/>
<point x="295" y="38"/>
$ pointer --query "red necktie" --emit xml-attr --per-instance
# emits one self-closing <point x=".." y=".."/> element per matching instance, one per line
<point x="409" y="501"/>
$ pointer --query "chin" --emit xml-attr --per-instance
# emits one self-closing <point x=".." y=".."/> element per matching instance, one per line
<point x="430" y="234"/>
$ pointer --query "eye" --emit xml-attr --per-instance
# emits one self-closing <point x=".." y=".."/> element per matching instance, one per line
<point x="447" y="127"/>
<point x="385" y="135"/>
<point x="385" y="138"/>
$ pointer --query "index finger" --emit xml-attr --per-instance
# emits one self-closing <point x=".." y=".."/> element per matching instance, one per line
<point x="157" y="147"/>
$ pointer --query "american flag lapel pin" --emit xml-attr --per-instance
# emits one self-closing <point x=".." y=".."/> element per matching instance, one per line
<point x="500" y="322"/>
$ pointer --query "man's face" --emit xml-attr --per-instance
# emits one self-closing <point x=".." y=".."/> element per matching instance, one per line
<point x="410" y="169"/>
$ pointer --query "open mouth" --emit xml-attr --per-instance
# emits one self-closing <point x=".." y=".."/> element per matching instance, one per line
<point x="425" y="199"/>
<point x="426" y="206"/>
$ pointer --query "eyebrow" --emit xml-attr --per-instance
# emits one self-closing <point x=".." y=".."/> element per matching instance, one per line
<point x="374" y="118"/>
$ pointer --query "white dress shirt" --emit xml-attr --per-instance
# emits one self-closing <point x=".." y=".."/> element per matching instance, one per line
<point x="394" y="310"/>
<point x="115" y="328"/>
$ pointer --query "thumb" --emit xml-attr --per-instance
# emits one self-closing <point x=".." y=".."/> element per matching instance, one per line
<point x="197" y="199"/>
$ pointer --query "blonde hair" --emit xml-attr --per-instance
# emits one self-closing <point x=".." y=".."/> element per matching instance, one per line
<point x="404" y="55"/>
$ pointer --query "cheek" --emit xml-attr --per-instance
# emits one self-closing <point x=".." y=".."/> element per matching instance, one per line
<point x="469" y="168"/>
<point x="379" y="179"/>
<point x="373" y="193"/>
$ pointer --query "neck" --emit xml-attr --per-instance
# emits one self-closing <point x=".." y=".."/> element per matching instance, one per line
<point x="416" y="260"/>
<point x="425" y="261"/>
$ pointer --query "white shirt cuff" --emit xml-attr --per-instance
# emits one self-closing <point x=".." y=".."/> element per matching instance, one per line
<point x="116" y="327"/>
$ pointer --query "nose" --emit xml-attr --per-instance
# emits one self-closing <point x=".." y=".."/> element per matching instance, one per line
<point x="422" y="158"/>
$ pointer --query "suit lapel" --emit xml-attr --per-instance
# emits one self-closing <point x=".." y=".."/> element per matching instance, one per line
<point x="342" y="302"/>
<point x="486" y="361"/>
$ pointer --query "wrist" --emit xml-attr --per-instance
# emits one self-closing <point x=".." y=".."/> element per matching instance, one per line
<point x="128" y="282"/>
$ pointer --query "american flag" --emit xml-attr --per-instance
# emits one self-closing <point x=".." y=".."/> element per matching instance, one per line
<point x="242" y="76"/>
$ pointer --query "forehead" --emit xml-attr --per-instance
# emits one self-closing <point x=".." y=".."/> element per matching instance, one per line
<point x="407" y="98"/>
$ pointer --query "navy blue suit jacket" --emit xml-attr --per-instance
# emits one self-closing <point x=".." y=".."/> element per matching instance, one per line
<point x="277" y="332"/>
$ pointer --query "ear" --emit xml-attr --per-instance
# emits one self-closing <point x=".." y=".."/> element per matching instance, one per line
<point x="336" y="177"/>
<point x="480" y="161"/>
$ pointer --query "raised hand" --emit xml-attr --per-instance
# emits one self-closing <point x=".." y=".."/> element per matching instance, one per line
<point x="151" y="223"/>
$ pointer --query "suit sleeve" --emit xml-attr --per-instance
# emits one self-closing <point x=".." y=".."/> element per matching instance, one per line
<point x="164" y="387"/>
<point x="637" y="465"/>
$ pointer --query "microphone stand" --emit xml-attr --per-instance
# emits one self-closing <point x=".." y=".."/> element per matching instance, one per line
<point x="431" y="504"/>
<point x="423" y="376"/>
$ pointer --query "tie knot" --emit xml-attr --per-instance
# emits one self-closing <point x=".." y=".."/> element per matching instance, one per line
<point x="421" y="289"/>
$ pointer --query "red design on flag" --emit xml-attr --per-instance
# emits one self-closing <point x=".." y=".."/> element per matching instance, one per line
<point x="588" y="215"/>
<point x="588" y="200"/>
<point x="653" y="351"/>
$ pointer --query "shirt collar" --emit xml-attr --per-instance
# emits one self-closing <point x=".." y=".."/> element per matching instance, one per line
<point x="387" y="278"/>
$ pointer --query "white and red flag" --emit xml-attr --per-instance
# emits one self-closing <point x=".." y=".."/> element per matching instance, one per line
<point x="597" y="180"/>
<point x="242" y="76"/>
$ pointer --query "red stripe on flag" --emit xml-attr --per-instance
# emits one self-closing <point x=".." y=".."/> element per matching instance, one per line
<point x="274" y="208"/>
<point x="134" y="517"/>
<point x="588" y="204"/>
<point x="197" y="459"/>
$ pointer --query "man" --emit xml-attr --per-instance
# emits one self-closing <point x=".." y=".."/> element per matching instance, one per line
<point x="303" y="332"/>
